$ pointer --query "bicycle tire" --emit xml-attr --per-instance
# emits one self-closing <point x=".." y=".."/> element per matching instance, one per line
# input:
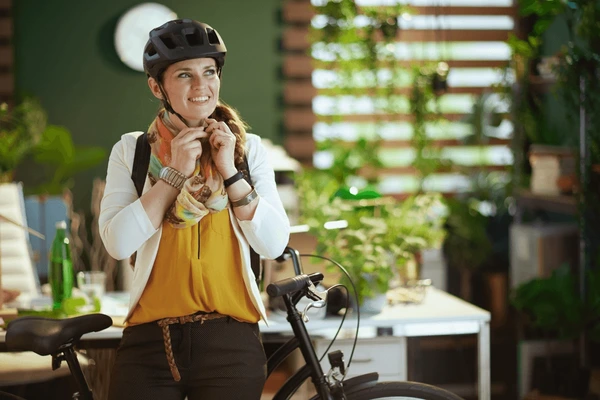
<point x="402" y="390"/>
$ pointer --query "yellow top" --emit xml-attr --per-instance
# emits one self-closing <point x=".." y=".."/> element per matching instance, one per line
<point x="196" y="269"/>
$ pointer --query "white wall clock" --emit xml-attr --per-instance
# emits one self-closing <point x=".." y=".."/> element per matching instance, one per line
<point x="132" y="31"/>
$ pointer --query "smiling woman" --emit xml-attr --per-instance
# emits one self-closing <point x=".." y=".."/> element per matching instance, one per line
<point x="193" y="226"/>
<point x="193" y="87"/>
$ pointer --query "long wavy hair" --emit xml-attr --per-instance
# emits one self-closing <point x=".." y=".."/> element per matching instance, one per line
<point x="224" y="112"/>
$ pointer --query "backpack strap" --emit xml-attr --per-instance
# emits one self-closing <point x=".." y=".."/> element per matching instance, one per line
<point x="141" y="161"/>
<point x="254" y="257"/>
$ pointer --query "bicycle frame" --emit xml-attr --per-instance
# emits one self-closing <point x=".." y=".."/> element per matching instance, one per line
<point x="302" y="340"/>
<point x="312" y="366"/>
<point x="68" y="354"/>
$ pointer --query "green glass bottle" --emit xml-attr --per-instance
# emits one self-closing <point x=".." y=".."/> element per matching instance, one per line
<point x="60" y="272"/>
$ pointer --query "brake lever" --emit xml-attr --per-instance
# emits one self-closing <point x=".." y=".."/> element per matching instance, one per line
<point x="318" y="300"/>
<point x="313" y="294"/>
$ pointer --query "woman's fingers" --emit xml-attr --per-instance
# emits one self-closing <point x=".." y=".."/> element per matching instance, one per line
<point x="190" y="134"/>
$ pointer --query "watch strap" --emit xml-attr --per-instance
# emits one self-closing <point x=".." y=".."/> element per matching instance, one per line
<point x="233" y="179"/>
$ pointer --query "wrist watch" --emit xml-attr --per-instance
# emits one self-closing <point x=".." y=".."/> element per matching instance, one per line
<point x="172" y="177"/>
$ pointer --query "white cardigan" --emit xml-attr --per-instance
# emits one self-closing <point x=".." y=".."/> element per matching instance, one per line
<point x="125" y="227"/>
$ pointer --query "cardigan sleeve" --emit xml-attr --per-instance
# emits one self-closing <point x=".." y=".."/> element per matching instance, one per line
<point x="123" y="222"/>
<point x="268" y="232"/>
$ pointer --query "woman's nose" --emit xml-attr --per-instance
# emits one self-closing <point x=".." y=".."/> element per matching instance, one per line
<point x="197" y="83"/>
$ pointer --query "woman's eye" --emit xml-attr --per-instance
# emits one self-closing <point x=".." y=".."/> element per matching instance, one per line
<point x="211" y="71"/>
<point x="184" y="75"/>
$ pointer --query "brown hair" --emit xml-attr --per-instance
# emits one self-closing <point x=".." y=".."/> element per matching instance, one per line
<point x="224" y="112"/>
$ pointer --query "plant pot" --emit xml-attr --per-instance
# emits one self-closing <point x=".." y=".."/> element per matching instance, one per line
<point x="373" y="305"/>
<point x="560" y="375"/>
<point x="552" y="170"/>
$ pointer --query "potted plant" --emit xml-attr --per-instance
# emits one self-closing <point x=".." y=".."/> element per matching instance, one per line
<point x="554" y="307"/>
<point x="56" y="160"/>
<point x="379" y="235"/>
<point x="62" y="159"/>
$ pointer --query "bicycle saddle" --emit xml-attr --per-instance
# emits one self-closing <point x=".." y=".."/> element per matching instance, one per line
<point x="45" y="336"/>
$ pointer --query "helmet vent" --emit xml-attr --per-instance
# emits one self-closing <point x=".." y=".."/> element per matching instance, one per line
<point x="151" y="51"/>
<point x="212" y="36"/>
<point x="194" y="39"/>
<point x="168" y="42"/>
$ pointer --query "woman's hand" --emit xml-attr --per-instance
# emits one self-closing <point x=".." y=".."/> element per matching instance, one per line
<point x="222" y="147"/>
<point x="186" y="148"/>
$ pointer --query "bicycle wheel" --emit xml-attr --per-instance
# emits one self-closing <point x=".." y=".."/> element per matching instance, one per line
<point x="403" y="391"/>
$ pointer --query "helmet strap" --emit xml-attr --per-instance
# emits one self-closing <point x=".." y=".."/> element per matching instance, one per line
<point x="168" y="107"/>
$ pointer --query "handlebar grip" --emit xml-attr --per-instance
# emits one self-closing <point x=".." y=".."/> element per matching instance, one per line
<point x="295" y="284"/>
<point x="288" y="285"/>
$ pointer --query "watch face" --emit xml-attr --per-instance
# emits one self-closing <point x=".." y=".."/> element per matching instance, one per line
<point x="132" y="31"/>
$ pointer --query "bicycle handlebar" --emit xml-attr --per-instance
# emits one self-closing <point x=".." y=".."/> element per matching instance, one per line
<point x="294" y="284"/>
<point x="295" y="256"/>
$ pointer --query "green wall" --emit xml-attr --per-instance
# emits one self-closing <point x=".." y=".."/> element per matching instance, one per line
<point x="64" y="55"/>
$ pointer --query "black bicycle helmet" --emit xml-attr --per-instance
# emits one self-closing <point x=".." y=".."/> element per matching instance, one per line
<point x="182" y="39"/>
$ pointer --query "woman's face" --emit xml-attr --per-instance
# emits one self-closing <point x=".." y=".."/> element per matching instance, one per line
<point x="192" y="87"/>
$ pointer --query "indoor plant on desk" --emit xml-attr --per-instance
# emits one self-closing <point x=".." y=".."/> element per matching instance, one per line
<point x="378" y="237"/>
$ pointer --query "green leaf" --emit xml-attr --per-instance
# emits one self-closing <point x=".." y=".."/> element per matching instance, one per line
<point x="84" y="158"/>
<point x="56" y="146"/>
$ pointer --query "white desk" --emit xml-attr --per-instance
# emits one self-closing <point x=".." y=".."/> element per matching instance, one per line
<point x="439" y="314"/>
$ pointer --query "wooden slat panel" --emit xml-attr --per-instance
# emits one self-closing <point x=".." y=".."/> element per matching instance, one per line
<point x="297" y="66"/>
<point x="298" y="93"/>
<point x="6" y="56"/>
<point x="300" y="147"/>
<point x="301" y="12"/>
<point x="302" y="118"/>
<point x="6" y="29"/>
<point x="302" y="92"/>
<point x="414" y="171"/>
<point x="296" y="38"/>
<point x="303" y="147"/>
<point x="7" y="85"/>
<point x="299" y="119"/>
<point x="302" y="65"/>
<point x="405" y="144"/>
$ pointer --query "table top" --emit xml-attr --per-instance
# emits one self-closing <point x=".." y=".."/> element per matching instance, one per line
<point x="439" y="314"/>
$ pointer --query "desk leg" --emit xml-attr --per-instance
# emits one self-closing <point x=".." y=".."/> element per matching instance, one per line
<point x="403" y="358"/>
<point x="484" y="361"/>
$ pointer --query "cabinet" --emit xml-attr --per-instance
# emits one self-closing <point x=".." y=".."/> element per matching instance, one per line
<point x="385" y="355"/>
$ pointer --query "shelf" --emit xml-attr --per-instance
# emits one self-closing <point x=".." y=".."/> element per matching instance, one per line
<point x="559" y="204"/>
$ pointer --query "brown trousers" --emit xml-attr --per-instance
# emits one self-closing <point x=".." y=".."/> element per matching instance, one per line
<point x="218" y="359"/>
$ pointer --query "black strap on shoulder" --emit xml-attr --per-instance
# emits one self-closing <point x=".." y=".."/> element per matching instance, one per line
<point x="254" y="257"/>
<point x="141" y="161"/>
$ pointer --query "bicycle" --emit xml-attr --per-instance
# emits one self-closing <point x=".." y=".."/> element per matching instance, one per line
<point x="58" y="338"/>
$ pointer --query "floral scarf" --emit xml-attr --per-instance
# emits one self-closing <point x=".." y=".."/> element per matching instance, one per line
<point x="202" y="193"/>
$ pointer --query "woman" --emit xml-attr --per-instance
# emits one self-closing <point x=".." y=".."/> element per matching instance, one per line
<point x="192" y="323"/>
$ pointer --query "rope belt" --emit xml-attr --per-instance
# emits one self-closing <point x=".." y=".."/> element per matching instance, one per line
<point x="164" y="324"/>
